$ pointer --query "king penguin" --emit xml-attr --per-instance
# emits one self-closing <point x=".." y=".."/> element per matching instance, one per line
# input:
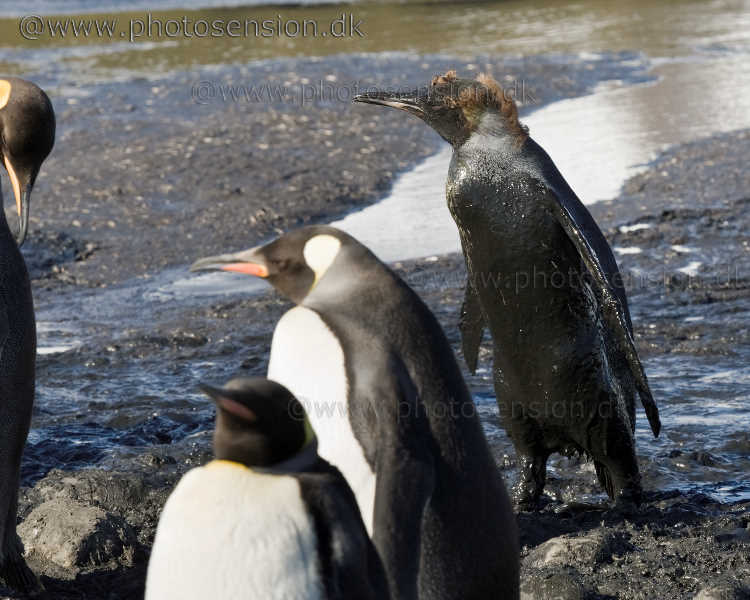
<point x="542" y="276"/>
<point x="385" y="394"/>
<point x="268" y="518"/>
<point x="27" y="134"/>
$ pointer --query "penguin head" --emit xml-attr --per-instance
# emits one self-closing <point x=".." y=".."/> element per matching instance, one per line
<point x="294" y="263"/>
<point x="455" y="108"/>
<point x="27" y="134"/>
<point x="259" y="423"/>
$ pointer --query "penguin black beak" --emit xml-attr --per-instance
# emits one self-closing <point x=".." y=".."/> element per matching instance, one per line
<point x="210" y="391"/>
<point x="411" y="102"/>
<point x="248" y="262"/>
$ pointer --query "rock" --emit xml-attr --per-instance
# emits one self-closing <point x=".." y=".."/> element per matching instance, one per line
<point x="188" y="339"/>
<point x="587" y="551"/>
<point x="136" y="497"/>
<point x="736" y="535"/>
<point x="562" y="551"/>
<point x="723" y="591"/>
<point x="77" y="537"/>
<point x="553" y="584"/>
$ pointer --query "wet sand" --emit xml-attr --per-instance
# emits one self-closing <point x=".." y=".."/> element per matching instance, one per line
<point x="104" y="518"/>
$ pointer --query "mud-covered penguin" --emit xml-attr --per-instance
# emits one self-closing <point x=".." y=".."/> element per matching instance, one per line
<point x="27" y="134"/>
<point x="544" y="280"/>
<point x="385" y="395"/>
<point x="268" y="518"/>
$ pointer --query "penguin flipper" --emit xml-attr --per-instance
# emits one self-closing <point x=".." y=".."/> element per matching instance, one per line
<point x="405" y="479"/>
<point x="471" y="326"/>
<point x="353" y="568"/>
<point x="612" y="308"/>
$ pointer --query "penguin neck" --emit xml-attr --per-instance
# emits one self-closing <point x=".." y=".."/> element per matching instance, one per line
<point x="356" y="281"/>
<point x="491" y="133"/>
<point x="302" y="461"/>
<point x="255" y="451"/>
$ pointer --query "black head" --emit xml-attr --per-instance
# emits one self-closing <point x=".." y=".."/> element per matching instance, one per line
<point x="27" y="134"/>
<point x="259" y="423"/>
<point x="454" y="107"/>
<point x="293" y="263"/>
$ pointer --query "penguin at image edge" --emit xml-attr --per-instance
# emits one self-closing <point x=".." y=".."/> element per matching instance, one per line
<point x="27" y="135"/>
<point x="386" y="397"/>
<point x="267" y="518"/>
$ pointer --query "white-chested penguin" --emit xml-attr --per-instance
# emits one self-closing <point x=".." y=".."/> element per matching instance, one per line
<point x="544" y="279"/>
<point x="268" y="518"/>
<point x="27" y="134"/>
<point x="383" y="390"/>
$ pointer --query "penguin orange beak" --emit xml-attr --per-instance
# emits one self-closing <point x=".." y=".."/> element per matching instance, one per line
<point x="247" y="269"/>
<point x="247" y="262"/>
<point x="23" y="197"/>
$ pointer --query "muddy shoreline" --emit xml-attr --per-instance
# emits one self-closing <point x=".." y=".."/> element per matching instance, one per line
<point x="87" y="531"/>
<point x="146" y="174"/>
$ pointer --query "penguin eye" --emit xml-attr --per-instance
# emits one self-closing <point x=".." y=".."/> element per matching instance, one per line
<point x="280" y="264"/>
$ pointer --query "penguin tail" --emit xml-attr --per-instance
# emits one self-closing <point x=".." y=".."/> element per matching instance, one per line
<point x="602" y="474"/>
<point x="15" y="574"/>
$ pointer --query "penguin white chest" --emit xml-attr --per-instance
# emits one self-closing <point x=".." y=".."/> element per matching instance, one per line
<point x="227" y="532"/>
<point x="307" y="358"/>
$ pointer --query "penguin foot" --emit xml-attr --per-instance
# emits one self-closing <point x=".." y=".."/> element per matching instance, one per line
<point x="628" y="500"/>
<point x="605" y="478"/>
<point x="526" y="506"/>
<point x="526" y="498"/>
<point x="573" y="507"/>
<point x="15" y="574"/>
<point x="527" y="492"/>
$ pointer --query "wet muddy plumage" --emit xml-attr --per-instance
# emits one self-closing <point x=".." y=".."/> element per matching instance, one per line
<point x="544" y="281"/>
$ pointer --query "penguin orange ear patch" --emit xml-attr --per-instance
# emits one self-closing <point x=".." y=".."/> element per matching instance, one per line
<point x="237" y="409"/>
<point x="4" y="92"/>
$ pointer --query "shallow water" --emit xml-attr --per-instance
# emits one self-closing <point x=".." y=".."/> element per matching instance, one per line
<point x="128" y="394"/>
<point x="511" y="28"/>
<point x="92" y="407"/>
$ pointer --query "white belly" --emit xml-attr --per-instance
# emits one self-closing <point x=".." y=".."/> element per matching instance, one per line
<point x="307" y="358"/>
<point x="227" y="532"/>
